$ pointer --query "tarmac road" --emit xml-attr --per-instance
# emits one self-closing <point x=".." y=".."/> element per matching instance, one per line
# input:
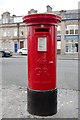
<point x="14" y="72"/>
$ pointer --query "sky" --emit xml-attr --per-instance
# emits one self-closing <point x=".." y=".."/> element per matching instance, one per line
<point x="21" y="7"/>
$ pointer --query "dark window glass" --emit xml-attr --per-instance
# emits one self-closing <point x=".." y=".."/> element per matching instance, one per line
<point x="76" y="31"/>
<point x="67" y="32"/>
<point x="71" y="31"/>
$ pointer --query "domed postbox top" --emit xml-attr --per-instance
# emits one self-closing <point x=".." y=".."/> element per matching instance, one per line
<point x="33" y="19"/>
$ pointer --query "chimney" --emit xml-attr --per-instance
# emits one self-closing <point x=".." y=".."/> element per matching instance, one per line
<point x="49" y="9"/>
<point x="62" y="12"/>
<point x="32" y="11"/>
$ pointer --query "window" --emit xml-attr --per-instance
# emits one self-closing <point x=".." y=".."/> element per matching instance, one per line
<point x="8" y="32"/>
<point x="59" y="28"/>
<point x="15" y="32"/>
<point x="21" y="33"/>
<point x="7" y="45"/>
<point x="67" y="31"/>
<point x="76" y="31"/>
<point x="71" y="46"/>
<point x="71" y="31"/>
<point x="5" y="20"/>
<point x="66" y="48"/>
<point x="58" y="32"/>
<point x="58" y="44"/>
<point x="4" y="33"/>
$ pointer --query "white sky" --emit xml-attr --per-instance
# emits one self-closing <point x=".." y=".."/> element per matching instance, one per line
<point x="21" y="7"/>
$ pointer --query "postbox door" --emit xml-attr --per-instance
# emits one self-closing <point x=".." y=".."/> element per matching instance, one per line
<point x="45" y="71"/>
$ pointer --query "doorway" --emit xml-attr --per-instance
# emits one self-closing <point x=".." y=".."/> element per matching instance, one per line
<point x="21" y="44"/>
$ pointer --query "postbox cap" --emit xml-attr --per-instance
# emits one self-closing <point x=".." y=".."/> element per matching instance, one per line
<point x="42" y="18"/>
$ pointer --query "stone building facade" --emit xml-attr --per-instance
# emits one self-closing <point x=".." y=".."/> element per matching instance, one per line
<point x="68" y="31"/>
<point x="13" y="31"/>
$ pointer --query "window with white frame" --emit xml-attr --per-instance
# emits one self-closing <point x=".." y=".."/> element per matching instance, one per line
<point x="71" y="29"/>
<point x="76" y="31"/>
<point x="58" y="30"/>
<point x="4" y="33"/>
<point x="67" y="31"/>
<point x="5" y="20"/>
<point x="21" y="33"/>
<point x="15" y="31"/>
<point x="71" y="46"/>
<point x="8" y="32"/>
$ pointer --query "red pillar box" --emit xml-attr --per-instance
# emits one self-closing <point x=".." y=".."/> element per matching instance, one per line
<point x="41" y="39"/>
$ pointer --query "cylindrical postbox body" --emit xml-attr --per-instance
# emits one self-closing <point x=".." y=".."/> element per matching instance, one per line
<point x="41" y="39"/>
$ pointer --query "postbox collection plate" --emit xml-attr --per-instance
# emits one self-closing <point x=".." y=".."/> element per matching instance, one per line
<point x="42" y="43"/>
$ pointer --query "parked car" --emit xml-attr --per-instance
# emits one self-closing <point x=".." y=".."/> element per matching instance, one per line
<point x="22" y="51"/>
<point x="5" y="53"/>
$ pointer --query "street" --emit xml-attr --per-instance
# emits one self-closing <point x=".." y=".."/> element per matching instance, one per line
<point x="14" y="72"/>
<point x="14" y="92"/>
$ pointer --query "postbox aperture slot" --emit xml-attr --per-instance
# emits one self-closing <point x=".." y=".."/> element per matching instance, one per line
<point x="42" y="30"/>
<point x="42" y="44"/>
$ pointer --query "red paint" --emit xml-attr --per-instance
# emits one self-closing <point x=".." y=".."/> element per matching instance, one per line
<point x="41" y="64"/>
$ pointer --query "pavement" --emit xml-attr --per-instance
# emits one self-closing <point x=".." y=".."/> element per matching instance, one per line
<point x="14" y="103"/>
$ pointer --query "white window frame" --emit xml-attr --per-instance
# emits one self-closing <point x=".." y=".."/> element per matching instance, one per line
<point x="58" y="30"/>
<point x="21" y="33"/>
<point x="4" y="33"/>
<point x="15" y="31"/>
<point x="71" y="27"/>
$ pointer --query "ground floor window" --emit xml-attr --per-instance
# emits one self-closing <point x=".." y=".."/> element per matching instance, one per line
<point x="71" y="47"/>
<point x="6" y="44"/>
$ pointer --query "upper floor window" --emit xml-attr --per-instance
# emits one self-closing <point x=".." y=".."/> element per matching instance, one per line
<point x="8" y="32"/>
<point x="15" y="32"/>
<point x="67" y="31"/>
<point x="58" y="30"/>
<point x="76" y="31"/>
<point x="72" y="31"/>
<point x="21" y="33"/>
<point x="4" y="33"/>
<point x="5" y="20"/>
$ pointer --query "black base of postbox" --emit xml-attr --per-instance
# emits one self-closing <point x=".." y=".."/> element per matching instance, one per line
<point x="42" y="103"/>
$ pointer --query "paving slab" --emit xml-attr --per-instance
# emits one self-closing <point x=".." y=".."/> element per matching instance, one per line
<point x="14" y="103"/>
